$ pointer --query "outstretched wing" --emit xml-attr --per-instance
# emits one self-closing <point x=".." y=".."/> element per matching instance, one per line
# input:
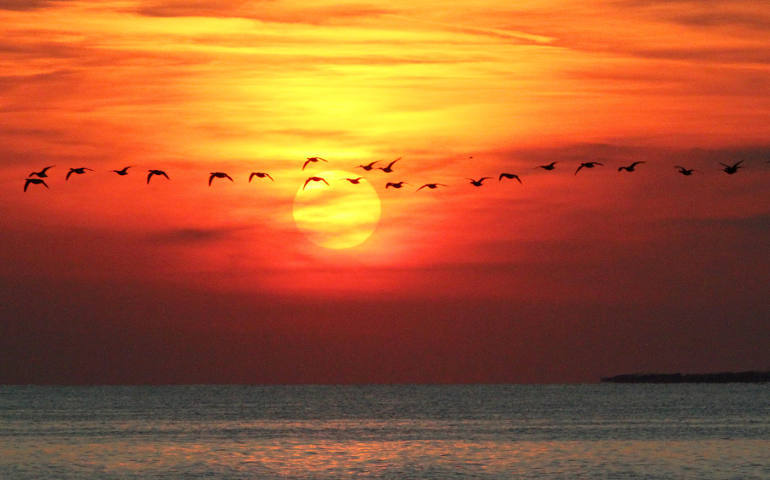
<point x="306" y="182"/>
<point x="164" y="174"/>
<point x="327" y="183"/>
<point x="578" y="169"/>
<point x="393" y="162"/>
<point x="211" y="177"/>
<point x="421" y="187"/>
<point x="252" y="176"/>
<point x="228" y="177"/>
<point x="149" y="176"/>
<point x="26" y="184"/>
<point x="268" y="176"/>
<point x="68" y="174"/>
<point x="305" y="164"/>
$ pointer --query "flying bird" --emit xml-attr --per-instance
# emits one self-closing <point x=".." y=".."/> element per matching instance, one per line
<point x="549" y="167"/>
<point x="218" y="175"/>
<point x="79" y="171"/>
<point x="123" y="171"/>
<point x="684" y="171"/>
<point x="730" y="169"/>
<point x="368" y="166"/>
<point x="395" y="184"/>
<point x="42" y="173"/>
<point x="354" y="181"/>
<point x="509" y="175"/>
<point x="35" y="181"/>
<point x="588" y="165"/>
<point x="313" y="160"/>
<point x="477" y="183"/>
<point x="631" y="167"/>
<point x="260" y="175"/>
<point x="156" y="172"/>
<point x="389" y="168"/>
<point x="314" y="179"/>
<point x="431" y="186"/>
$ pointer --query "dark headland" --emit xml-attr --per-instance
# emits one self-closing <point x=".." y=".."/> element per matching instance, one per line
<point x="722" y="377"/>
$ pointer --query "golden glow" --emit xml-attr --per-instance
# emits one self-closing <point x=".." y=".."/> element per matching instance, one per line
<point x="339" y="215"/>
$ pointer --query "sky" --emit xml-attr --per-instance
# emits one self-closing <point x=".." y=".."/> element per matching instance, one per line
<point x="563" y="277"/>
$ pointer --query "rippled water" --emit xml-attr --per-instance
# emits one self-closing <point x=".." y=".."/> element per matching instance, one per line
<point x="389" y="432"/>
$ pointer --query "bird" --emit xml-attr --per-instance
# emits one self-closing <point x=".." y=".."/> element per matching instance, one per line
<point x="123" y="171"/>
<point x="389" y="168"/>
<point x="477" y="183"/>
<point x="730" y="169"/>
<point x="509" y="175"/>
<point x="354" y="181"/>
<point x="395" y="184"/>
<point x="42" y="173"/>
<point x="156" y="172"/>
<point x="79" y="171"/>
<point x="36" y="181"/>
<point x="314" y="179"/>
<point x="549" y="167"/>
<point x="631" y="167"/>
<point x="431" y="186"/>
<point x="260" y="175"/>
<point x="588" y="165"/>
<point x="684" y="171"/>
<point x="218" y="175"/>
<point x="368" y="166"/>
<point x="313" y="160"/>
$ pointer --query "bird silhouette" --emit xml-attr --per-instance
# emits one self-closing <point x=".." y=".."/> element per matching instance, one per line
<point x="78" y="171"/>
<point x="549" y="167"/>
<point x="313" y="160"/>
<point x="368" y="166"/>
<point x="395" y="184"/>
<point x="477" y="183"/>
<point x="354" y="181"/>
<point x="42" y="173"/>
<point x="730" y="169"/>
<point x="684" y="171"/>
<point x="123" y="171"/>
<point x="431" y="186"/>
<point x="35" y="181"/>
<point x="509" y="175"/>
<point x="631" y="167"/>
<point x="389" y="168"/>
<point x="588" y="165"/>
<point x="260" y="175"/>
<point x="314" y="179"/>
<point x="156" y="172"/>
<point x="218" y="175"/>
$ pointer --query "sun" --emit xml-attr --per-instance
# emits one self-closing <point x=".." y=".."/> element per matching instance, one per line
<point x="338" y="215"/>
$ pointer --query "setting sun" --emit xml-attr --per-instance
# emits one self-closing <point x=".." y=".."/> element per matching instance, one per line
<point x="341" y="212"/>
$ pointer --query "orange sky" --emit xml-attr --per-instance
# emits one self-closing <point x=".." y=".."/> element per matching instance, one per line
<point x="559" y="263"/>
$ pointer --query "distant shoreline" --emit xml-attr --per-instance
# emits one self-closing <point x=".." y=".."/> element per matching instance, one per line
<point x="721" y="377"/>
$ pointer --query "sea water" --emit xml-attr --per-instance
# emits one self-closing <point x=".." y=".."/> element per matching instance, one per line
<point x="386" y="432"/>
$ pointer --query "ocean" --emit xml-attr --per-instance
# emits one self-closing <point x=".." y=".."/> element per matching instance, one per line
<point x="613" y="431"/>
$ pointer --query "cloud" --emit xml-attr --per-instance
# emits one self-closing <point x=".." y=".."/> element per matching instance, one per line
<point x="262" y="10"/>
<point x="28" y="4"/>
<point x="195" y="235"/>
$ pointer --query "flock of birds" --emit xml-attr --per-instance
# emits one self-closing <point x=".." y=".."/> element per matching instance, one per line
<point x="37" y="178"/>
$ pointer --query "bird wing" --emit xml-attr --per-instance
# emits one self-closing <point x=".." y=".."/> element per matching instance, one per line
<point x="620" y="169"/>
<point x="734" y="166"/>
<point x="637" y="163"/>
<point x="389" y="184"/>
<point x="394" y="161"/>
<point x="578" y="169"/>
<point x="503" y="175"/>
<point x="724" y="164"/>
<point x="164" y="174"/>
<point x="420" y="187"/>
<point x="149" y="176"/>
<point x="306" y="182"/>
<point x="211" y="177"/>
<point x="44" y="184"/>
<point x="305" y="164"/>
<point x="91" y="169"/>
<point x="252" y="176"/>
<point x="323" y="159"/>
<point x="598" y="163"/>
<point x="268" y="176"/>
<point x="26" y="184"/>
<point x="228" y="177"/>
<point x="517" y="178"/>
<point x="327" y="183"/>
<point x="46" y="168"/>
<point x="68" y="174"/>
<point x="372" y="164"/>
